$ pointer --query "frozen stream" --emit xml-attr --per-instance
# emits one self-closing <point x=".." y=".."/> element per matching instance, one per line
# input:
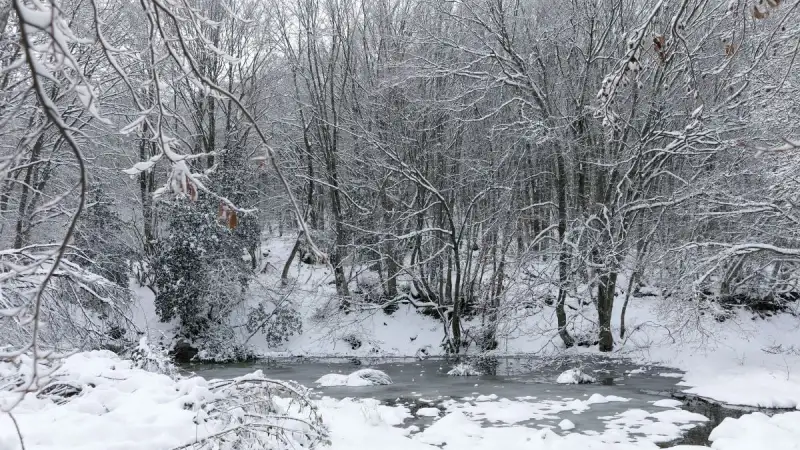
<point x="519" y="394"/>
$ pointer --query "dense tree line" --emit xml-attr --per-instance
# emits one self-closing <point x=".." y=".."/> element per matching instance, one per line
<point x="452" y="148"/>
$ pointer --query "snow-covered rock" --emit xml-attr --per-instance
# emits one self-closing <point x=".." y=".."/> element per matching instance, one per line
<point x="575" y="376"/>
<point x="363" y="377"/>
<point x="566" y="425"/>
<point x="464" y="370"/>
<point x="423" y="352"/>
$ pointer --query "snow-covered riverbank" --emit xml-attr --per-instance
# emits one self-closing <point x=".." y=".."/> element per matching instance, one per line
<point x="117" y="406"/>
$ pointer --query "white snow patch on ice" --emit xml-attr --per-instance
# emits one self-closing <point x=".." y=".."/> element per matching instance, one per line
<point x="668" y="403"/>
<point x="597" y="398"/>
<point x="428" y="412"/>
<point x="363" y="377"/>
<point x="662" y="426"/>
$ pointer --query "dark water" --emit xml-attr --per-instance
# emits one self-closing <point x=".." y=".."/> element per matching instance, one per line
<point x="426" y="384"/>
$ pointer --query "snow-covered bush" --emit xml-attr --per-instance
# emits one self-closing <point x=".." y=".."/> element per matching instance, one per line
<point x="222" y="345"/>
<point x="464" y="370"/>
<point x="260" y="413"/>
<point x="363" y="377"/>
<point x="152" y="358"/>
<point x="200" y="275"/>
<point x="575" y="376"/>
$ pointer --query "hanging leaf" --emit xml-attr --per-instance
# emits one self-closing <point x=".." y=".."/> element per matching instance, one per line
<point x="233" y="220"/>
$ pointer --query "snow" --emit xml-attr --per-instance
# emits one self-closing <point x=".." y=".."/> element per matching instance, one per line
<point x="597" y="398"/>
<point x="502" y="410"/>
<point x="461" y="428"/>
<point x="668" y="403"/>
<point x="752" y="386"/>
<point x="566" y="425"/>
<point x="126" y="408"/>
<point x="662" y="426"/>
<point x="757" y="430"/>
<point x="362" y="377"/>
<point x="428" y="412"/>
<point x="118" y="406"/>
<point x="575" y="376"/>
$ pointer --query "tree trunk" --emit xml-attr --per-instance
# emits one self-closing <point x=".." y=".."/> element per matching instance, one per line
<point x="605" y="304"/>
<point x="146" y="188"/>
<point x="285" y="272"/>
<point x="23" y="213"/>
<point x="631" y="282"/>
<point x="563" y="253"/>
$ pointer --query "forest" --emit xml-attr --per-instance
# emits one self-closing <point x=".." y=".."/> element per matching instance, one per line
<point x="478" y="162"/>
<point x="229" y="180"/>
<point x="449" y="147"/>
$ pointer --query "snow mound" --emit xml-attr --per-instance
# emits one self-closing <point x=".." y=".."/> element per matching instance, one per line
<point x="464" y="370"/>
<point x="363" y="377"/>
<point x="757" y="430"/>
<point x="575" y="376"/>
<point x="566" y="425"/>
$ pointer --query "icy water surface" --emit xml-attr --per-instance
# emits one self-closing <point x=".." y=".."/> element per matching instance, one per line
<point x="425" y="384"/>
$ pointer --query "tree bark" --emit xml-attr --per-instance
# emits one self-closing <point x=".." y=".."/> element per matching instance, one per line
<point x="605" y="304"/>
<point x="563" y="253"/>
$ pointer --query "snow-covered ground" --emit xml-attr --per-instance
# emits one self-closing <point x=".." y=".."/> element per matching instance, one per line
<point x="122" y="407"/>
